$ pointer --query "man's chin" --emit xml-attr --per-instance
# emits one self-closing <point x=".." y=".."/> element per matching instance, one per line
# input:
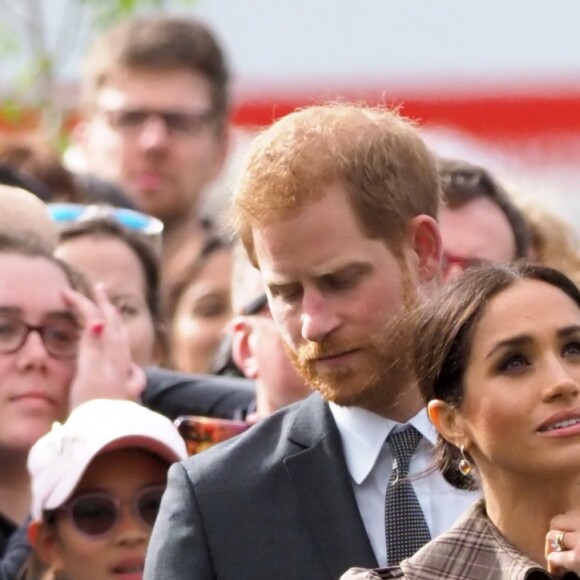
<point x="343" y="391"/>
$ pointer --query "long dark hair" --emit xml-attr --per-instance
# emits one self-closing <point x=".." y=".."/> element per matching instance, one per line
<point x="442" y="335"/>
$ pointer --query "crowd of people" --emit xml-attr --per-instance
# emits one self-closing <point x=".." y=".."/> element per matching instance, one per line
<point x="398" y="335"/>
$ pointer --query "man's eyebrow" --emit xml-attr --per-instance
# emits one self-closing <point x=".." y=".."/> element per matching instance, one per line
<point x="350" y="268"/>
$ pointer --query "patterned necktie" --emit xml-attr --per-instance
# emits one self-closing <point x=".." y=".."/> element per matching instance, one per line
<point x="405" y="525"/>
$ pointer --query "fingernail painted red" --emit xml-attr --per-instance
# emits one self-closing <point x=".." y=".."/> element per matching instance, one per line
<point x="97" y="328"/>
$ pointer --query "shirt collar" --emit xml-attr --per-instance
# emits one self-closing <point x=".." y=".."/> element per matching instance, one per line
<point x="363" y="434"/>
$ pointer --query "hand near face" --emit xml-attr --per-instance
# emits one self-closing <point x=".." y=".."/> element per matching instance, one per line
<point x="563" y="544"/>
<point x="105" y="368"/>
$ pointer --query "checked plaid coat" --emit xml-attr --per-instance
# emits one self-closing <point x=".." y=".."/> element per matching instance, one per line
<point x="473" y="549"/>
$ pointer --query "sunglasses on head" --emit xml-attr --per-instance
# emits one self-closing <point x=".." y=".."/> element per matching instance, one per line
<point x="67" y="213"/>
<point x="96" y="514"/>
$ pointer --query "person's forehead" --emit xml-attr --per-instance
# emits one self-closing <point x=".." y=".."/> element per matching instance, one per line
<point x="320" y="237"/>
<point x="136" y="88"/>
<point x="477" y="229"/>
<point x="527" y="308"/>
<point x="34" y="286"/>
<point x="103" y="258"/>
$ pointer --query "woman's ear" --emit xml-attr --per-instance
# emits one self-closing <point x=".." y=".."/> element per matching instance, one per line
<point x="448" y="422"/>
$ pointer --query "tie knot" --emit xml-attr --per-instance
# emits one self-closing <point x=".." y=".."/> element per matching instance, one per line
<point x="403" y="444"/>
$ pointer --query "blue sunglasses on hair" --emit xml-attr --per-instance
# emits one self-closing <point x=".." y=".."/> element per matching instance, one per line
<point x="63" y="213"/>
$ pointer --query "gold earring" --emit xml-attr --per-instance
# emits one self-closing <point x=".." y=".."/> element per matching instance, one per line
<point x="464" y="466"/>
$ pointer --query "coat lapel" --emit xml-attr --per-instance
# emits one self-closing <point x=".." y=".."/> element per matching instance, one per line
<point x="319" y="474"/>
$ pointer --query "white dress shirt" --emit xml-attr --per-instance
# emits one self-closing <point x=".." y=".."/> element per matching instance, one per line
<point x="370" y="462"/>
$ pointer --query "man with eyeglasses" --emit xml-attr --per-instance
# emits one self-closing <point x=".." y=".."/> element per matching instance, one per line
<point x="478" y="222"/>
<point x="156" y="104"/>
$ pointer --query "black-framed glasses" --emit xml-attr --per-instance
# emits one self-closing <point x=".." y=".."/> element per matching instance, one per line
<point x="96" y="514"/>
<point x="60" y="336"/>
<point x="177" y="122"/>
<point x="256" y="305"/>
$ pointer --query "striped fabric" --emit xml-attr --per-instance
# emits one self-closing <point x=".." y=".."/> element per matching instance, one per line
<point x="473" y="549"/>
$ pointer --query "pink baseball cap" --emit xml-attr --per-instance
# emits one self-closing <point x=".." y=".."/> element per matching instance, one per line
<point x="59" y="459"/>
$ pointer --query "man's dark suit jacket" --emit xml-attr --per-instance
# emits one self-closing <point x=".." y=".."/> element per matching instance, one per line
<point x="275" y="502"/>
<point x="173" y="393"/>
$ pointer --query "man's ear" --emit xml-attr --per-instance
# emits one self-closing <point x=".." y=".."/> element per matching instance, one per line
<point x="448" y="422"/>
<point x="42" y="538"/>
<point x="425" y="241"/>
<point x="242" y="351"/>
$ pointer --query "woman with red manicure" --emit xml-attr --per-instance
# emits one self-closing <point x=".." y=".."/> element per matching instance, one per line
<point x="58" y="349"/>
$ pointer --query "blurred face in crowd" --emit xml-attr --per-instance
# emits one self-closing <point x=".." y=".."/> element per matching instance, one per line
<point x="201" y="312"/>
<point x="332" y="291"/>
<point x="152" y="133"/>
<point x="34" y="384"/>
<point x="119" y="553"/>
<point x="285" y="386"/>
<point x="259" y="351"/>
<point x="474" y="233"/>
<point x="111" y="261"/>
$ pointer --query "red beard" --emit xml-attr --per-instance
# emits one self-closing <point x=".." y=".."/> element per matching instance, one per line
<point x="374" y="375"/>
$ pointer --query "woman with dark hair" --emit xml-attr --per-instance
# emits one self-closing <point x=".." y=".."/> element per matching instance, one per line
<point x="125" y="261"/>
<point x="198" y="306"/>
<point x="58" y="349"/>
<point x="497" y="356"/>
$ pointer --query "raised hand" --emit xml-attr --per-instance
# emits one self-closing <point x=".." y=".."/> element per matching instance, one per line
<point x="104" y="365"/>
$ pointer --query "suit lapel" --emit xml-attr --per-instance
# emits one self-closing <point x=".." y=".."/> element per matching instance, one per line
<point x="319" y="474"/>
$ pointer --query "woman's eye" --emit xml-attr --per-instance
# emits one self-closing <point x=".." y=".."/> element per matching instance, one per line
<point x="210" y="307"/>
<point x="572" y="348"/>
<point x="513" y="362"/>
<point x="127" y="309"/>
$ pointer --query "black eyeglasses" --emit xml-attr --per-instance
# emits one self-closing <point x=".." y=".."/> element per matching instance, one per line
<point x="256" y="305"/>
<point x="177" y="122"/>
<point x="60" y="336"/>
<point x="96" y="514"/>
